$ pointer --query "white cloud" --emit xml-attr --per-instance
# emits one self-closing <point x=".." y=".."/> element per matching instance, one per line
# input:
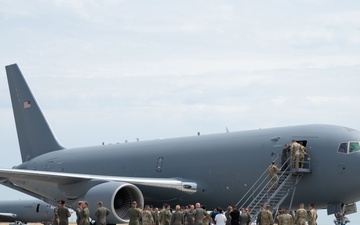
<point x="279" y="100"/>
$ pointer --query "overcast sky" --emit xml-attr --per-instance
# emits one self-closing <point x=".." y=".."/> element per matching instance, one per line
<point x="110" y="71"/>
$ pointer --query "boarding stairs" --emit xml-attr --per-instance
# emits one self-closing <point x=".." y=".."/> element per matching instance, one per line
<point x="262" y="192"/>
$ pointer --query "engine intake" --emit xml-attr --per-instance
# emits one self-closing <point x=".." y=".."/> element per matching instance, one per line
<point x="117" y="197"/>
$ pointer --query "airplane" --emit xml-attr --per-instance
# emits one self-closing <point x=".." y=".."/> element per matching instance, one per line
<point x="26" y="211"/>
<point x="215" y="169"/>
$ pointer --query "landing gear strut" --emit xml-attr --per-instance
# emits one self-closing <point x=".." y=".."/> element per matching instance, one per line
<point x="341" y="219"/>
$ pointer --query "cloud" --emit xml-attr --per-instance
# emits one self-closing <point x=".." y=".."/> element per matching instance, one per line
<point x="279" y="100"/>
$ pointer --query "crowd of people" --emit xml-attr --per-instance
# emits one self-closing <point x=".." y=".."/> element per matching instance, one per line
<point x="62" y="214"/>
<point x="197" y="215"/>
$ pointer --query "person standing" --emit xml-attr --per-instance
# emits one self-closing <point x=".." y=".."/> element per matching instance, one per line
<point x="220" y="218"/>
<point x="63" y="214"/>
<point x="141" y="209"/>
<point x="199" y="214"/>
<point x="56" y="216"/>
<point x="227" y="215"/>
<point x="301" y="215"/>
<point x="235" y="216"/>
<point x="134" y="214"/>
<point x="189" y="216"/>
<point x="245" y="218"/>
<point x="266" y="217"/>
<point x="155" y="215"/>
<point x="85" y="214"/>
<point x="284" y="157"/>
<point x="147" y="218"/>
<point x="302" y="155"/>
<point x="207" y="218"/>
<point x="78" y="213"/>
<point x="161" y="214"/>
<point x="273" y="170"/>
<point x="101" y="213"/>
<point x="166" y="215"/>
<point x="258" y="218"/>
<point x="177" y="217"/>
<point x="285" y="218"/>
<point x="295" y="154"/>
<point x="312" y="215"/>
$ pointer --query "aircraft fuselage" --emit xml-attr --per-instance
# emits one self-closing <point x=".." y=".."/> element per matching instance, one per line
<point x="223" y="165"/>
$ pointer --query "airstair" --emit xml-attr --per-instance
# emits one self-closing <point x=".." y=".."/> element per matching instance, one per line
<point x="262" y="192"/>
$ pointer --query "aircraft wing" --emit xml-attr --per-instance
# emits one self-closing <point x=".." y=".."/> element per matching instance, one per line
<point x="7" y="217"/>
<point x="58" y="179"/>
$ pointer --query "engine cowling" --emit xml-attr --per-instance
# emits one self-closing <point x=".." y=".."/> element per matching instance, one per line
<point x="117" y="197"/>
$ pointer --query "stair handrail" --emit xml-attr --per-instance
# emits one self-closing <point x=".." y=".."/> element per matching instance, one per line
<point x="256" y="182"/>
<point x="270" y="187"/>
<point x="258" y="185"/>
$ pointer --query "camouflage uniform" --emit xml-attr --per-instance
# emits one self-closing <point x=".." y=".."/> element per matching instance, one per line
<point x="302" y="156"/>
<point x="64" y="215"/>
<point x="147" y="218"/>
<point x="56" y="216"/>
<point x="286" y="219"/>
<point x="273" y="176"/>
<point x="312" y="217"/>
<point x="199" y="214"/>
<point x="300" y="217"/>
<point x="101" y="213"/>
<point x="295" y="154"/>
<point x="78" y="215"/>
<point x="177" y="218"/>
<point x="134" y="215"/>
<point x="85" y="214"/>
<point x="166" y="217"/>
<point x="189" y="217"/>
<point x="266" y="218"/>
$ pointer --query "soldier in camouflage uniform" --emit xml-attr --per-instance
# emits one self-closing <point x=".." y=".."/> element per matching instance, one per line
<point x="285" y="218"/>
<point x="302" y="155"/>
<point x="63" y="214"/>
<point x="134" y="214"/>
<point x="258" y="219"/>
<point x="274" y="179"/>
<point x="199" y="214"/>
<point x="85" y="213"/>
<point x="101" y="213"/>
<point x="301" y="215"/>
<point x="189" y="216"/>
<point x="166" y="216"/>
<point x="147" y="218"/>
<point x="266" y="217"/>
<point x="312" y="215"/>
<point x="177" y="218"/>
<point x="295" y="154"/>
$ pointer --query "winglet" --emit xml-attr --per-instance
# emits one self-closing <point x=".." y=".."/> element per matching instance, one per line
<point x="34" y="134"/>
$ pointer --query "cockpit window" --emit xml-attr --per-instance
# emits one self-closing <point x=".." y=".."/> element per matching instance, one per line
<point x="350" y="147"/>
<point x="343" y="148"/>
<point x="354" y="147"/>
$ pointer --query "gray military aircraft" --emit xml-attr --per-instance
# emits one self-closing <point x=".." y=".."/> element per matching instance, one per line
<point x="216" y="170"/>
<point x="26" y="211"/>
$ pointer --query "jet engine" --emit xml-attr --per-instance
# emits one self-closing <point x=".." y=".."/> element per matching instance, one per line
<point x="117" y="197"/>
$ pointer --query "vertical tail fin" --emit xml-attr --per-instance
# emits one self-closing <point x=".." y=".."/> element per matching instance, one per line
<point x="34" y="134"/>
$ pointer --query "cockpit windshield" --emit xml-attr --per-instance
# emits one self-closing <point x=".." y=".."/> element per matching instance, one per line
<point x="349" y="147"/>
<point x="354" y="147"/>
